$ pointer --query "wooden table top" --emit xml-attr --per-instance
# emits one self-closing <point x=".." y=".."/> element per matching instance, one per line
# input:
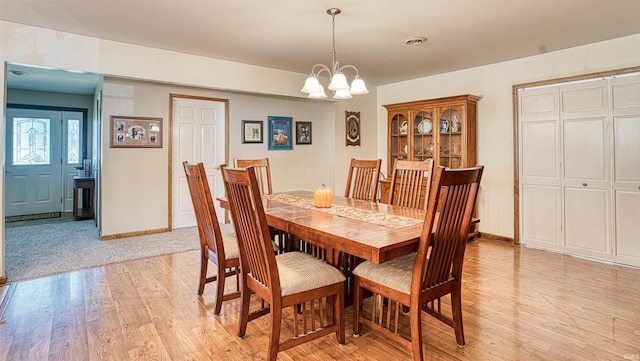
<point x="360" y="238"/>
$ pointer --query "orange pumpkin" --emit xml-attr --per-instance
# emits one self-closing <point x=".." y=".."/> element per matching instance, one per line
<point x="323" y="197"/>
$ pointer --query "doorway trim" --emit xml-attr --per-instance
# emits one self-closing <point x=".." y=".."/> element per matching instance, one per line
<point x="173" y="96"/>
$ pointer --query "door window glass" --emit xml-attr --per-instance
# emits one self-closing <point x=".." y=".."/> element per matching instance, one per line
<point x="73" y="141"/>
<point x="31" y="141"/>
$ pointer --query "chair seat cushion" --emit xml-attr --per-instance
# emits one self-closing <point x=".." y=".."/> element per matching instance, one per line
<point x="230" y="243"/>
<point x="301" y="272"/>
<point x="395" y="274"/>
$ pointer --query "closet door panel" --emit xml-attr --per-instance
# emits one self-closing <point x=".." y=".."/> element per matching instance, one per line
<point x="585" y="152"/>
<point x="586" y="222"/>
<point x="540" y="153"/>
<point x="627" y="227"/>
<point x="627" y="149"/>
<point x="541" y="223"/>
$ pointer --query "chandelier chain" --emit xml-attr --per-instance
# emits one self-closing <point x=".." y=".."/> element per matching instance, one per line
<point x="333" y="35"/>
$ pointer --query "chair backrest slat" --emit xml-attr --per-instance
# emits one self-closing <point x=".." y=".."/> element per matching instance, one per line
<point x="254" y="242"/>
<point x="407" y="181"/>
<point x="203" y="207"/>
<point x="262" y="169"/>
<point x="362" y="181"/>
<point x="450" y="209"/>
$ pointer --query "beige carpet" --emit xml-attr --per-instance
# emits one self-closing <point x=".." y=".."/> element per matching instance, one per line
<point x="47" y="249"/>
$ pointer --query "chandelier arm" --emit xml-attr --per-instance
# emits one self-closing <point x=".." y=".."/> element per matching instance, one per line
<point x="349" y="66"/>
<point x="323" y="67"/>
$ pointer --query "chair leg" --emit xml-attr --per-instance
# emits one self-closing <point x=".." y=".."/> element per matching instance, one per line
<point x="204" y="263"/>
<point x="245" y="299"/>
<point x="415" y="320"/>
<point x="357" y="306"/>
<point x="339" y="314"/>
<point x="274" y="336"/>
<point x="456" y="310"/>
<point x="219" y="289"/>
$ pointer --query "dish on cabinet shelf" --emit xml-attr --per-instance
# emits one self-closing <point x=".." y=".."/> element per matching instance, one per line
<point x="444" y="125"/>
<point x="425" y="126"/>
<point x="403" y="128"/>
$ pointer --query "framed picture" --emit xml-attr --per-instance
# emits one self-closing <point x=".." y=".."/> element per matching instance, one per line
<point x="252" y="131"/>
<point x="136" y="132"/>
<point x="353" y="127"/>
<point x="303" y="132"/>
<point x="280" y="133"/>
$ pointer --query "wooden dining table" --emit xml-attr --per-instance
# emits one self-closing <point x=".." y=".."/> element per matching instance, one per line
<point x="369" y="230"/>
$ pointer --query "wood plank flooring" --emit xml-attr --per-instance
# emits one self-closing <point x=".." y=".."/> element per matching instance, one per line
<point x="519" y="304"/>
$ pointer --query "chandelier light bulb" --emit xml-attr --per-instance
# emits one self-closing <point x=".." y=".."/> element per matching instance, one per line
<point x="342" y="94"/>
<point x="311" y="85"/>
<point x="338" y="82"/>
<point x="358" y="86"/>
<point x="319" y="94"/>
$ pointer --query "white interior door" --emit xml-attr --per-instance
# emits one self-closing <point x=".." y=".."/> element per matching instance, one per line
<point x="586" y="180"/>
<point x="540" y="174"/>
<point x="626" y="175"/>
<point x="33" y="172"/>
<point x="199" y="128"/>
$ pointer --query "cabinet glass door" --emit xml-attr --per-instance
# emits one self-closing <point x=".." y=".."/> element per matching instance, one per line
<point x="423" y="141"/>
<point x="398" y="142"/>
<point x="451" y="143"/>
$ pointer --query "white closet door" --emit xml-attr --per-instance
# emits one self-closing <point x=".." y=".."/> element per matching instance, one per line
<point x="626" y="175"/>
<point x="539" y="168"/>
<point x="586" y="184"/>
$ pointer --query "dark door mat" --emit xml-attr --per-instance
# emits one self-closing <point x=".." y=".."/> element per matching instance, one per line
<point x="29" y="217"/>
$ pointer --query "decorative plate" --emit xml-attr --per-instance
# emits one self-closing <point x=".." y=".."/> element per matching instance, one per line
<point x="425" y="126"/>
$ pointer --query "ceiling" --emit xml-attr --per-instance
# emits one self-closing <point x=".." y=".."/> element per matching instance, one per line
<point x="294" y="35"/>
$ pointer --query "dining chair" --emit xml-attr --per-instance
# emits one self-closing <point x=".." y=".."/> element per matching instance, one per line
<point x="293" y="279"/>
<point x="418" y="279"/>
<point x="263" y="172"/>
<point x="362" y="182"/>
<point x="410" y="183"/>
<point x="214" y="247"/>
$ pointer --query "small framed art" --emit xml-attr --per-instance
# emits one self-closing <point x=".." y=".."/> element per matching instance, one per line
<point x="252" y="131"/>
<point x="303" y="132"/>
<point x="280" y="133"/>
<point x="136" y="132"/>
<point x="353" y="127"/>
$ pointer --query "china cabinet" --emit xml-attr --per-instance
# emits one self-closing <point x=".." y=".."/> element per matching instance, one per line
<point x="442" y="129"/>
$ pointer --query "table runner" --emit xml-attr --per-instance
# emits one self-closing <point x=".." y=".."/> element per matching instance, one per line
<point x="366" y="215"/>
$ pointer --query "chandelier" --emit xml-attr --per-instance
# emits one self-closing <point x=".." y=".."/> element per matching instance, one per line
<point x="338" y="83"/>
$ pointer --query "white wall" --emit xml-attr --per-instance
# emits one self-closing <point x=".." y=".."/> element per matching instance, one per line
<point x="135" y="181"/>
<point x="495" y="111"/>
<point x="43" y="47"/>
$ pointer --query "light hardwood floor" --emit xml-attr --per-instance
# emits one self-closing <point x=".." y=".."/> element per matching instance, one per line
<point x="519" y="304"/>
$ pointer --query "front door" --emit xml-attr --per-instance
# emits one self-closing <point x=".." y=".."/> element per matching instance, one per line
<point x="199" y="135"/>
<point x="39" y="164"/>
